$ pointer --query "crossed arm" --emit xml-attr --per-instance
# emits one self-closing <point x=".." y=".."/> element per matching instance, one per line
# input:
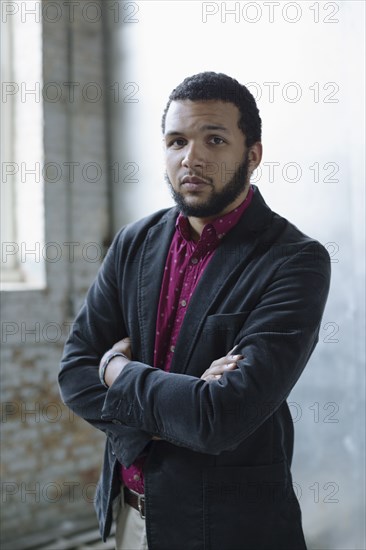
<point x="214" y="372"/>
<point x="277" y="339"/>
<point x="116" y="365"/>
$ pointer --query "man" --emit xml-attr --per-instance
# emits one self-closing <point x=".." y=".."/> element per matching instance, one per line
<point x="198" y="325"/>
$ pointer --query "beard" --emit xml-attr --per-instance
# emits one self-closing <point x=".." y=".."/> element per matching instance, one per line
<point x="218" y="200"/>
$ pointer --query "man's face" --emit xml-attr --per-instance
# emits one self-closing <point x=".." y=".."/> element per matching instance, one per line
<point x="206" y="157"/>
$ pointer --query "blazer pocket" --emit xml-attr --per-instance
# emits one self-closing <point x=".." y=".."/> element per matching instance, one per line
<point x="220" y="331"/>
<point x="251" y="507"/>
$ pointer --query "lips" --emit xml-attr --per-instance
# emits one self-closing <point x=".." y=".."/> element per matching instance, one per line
<point x="193" y="181"/>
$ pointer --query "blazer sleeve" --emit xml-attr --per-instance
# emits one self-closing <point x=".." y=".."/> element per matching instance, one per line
<point x="97" y="327"/>
<point x="276" y="341"/>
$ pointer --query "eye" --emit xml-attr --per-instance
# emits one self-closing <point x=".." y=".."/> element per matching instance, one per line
<point x="217" y="140"/>
<point x="177" y="143"/>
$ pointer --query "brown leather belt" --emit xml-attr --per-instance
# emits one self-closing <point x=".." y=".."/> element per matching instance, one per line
<point x="135" y="500"/>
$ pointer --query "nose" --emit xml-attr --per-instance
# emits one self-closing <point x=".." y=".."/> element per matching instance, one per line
<point x="193" y="156"/>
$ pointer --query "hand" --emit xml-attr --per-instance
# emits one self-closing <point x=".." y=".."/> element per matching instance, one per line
<point x="117" y="364"/>
<point x="217" y="369"/>
<point x="219" y="366"/>
<point x="124" y="346"/>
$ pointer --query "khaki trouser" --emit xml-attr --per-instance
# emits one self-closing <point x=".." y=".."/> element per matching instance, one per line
<point x="131" y="528"/>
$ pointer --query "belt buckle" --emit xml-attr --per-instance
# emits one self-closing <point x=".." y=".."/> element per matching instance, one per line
<point x="140" y="503"/>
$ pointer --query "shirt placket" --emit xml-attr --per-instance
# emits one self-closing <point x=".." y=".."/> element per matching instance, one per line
<point x="189" y="281"/>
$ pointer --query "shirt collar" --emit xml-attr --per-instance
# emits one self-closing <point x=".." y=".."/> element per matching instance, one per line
<point x="214" y="231"/>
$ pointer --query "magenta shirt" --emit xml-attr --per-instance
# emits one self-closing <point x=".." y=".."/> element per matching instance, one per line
<point x="185" y="264"/>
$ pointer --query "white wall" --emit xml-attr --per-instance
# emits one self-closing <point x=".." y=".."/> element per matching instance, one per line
<point x="317" y="46"/>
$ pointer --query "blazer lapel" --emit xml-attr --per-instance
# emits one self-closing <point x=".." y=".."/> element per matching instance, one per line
<point x="150" y="276"/>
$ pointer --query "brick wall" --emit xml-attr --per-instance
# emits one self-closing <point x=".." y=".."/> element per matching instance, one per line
<point x="50" y="458"/>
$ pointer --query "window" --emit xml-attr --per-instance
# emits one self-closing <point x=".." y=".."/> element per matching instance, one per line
<point x="22" y="224"/>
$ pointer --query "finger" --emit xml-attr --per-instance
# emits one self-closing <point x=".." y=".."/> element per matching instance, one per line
<point x="123" y="346"/>
<point x="220" y="369"/>
<point x="212" y="377"/>
<point x="218" y="362"/>
<point x="220" y="365"/>
<point x="214" y="369"/>
<point x="232" y="350"/>
<point x="224" y="360"/>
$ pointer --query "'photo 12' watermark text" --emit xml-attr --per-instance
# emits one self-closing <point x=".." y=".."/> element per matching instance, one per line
<point x="69" y="92"/>
<point x="69" y="172"/>
<point x="27" y="11"/>
<point x="270" y="12"/>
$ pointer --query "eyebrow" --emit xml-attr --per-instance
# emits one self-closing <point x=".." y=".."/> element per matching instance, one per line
<point x="203" y="128"/>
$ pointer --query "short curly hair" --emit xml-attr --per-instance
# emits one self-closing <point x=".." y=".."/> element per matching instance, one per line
<point x="220" y="87"/>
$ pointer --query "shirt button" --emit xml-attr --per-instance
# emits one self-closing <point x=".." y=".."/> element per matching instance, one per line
<point x="172" y="348"/>
<point x="194" y="261"/>
<point x="136" y="477"/>
<point x="183" y="303"/>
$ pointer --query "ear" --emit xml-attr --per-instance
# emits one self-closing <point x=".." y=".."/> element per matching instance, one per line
<point x="254" y="156"/>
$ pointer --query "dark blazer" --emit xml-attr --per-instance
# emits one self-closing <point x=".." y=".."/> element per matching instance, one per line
<point x="220" y="479"/>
